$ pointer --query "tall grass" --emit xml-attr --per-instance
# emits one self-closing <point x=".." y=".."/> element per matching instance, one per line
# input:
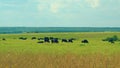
<point x="59" y="61"/>
<point x="15" y="53"/>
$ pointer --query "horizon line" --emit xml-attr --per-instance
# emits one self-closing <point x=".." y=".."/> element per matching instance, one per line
<point x="62" y="26"/>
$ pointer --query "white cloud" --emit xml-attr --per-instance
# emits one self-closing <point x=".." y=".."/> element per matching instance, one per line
<point x="55" y="7"/>
<point x="93" y="3"/>
<point x="49" y="5"/>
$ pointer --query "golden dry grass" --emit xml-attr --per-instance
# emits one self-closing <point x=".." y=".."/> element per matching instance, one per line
<point x="59" y="61"/>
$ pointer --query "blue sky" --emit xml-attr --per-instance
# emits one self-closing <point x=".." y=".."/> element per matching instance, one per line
<point x="60" y="13"/>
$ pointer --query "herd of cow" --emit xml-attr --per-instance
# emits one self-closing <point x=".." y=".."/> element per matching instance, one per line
<point x="55" y="40"/>
<point x="111" y="39"/>
<point x="51" y="40"/>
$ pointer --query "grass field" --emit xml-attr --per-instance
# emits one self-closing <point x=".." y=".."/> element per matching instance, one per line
<point x="16" y="53"/>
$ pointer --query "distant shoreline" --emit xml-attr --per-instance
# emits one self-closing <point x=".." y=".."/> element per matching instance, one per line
<point x="17" y="30"/>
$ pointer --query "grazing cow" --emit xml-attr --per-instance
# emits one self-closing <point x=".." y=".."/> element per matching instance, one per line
<point x="64" y="40"/>
<point x="85" y="41"/>
<point x="55" y="40"/>
<point x="40" y="42"/>
<point x="70" y="40"/>
<point x="46" y="39"/>
<point x="33" y="38"/>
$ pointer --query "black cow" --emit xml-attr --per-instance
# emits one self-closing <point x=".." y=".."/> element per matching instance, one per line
<point x="54" y="40"/>
<point x="85" y="41"/>
<point x="46" y="39"/>
<point x="70" y="40"/>
<point x="64" y="40"/>
<point x="33" y="38"/>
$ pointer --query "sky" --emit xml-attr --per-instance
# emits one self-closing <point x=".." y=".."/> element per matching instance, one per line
<point x="59" y="13"/>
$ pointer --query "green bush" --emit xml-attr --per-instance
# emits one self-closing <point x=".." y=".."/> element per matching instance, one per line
<point x="111" y="39"/>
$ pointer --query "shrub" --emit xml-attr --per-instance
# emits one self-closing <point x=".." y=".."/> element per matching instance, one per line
<point x="111" y="39"/>
<point x="3" y="39"/>
<point x="23" y="38"/>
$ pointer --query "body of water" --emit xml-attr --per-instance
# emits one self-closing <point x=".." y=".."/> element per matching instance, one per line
<point x="4" y="30"/>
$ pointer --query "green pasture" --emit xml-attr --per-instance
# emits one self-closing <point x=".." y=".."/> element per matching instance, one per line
<point x="13" y="44"/>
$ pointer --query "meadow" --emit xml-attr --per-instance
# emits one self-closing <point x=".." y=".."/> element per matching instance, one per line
<point x="16" y="53"/>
